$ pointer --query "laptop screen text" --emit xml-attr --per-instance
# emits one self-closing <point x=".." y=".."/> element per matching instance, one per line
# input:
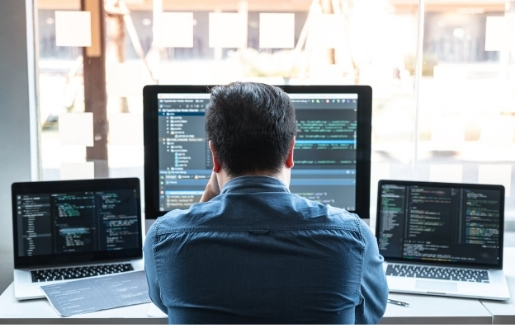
<point x="77" y="222"/>
<point x="443" y="224"/>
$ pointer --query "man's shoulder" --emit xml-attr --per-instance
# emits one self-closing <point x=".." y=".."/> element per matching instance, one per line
<point x="348" y="220"/>
<point x="332" y="215"/>
<point x="180" y="219"/>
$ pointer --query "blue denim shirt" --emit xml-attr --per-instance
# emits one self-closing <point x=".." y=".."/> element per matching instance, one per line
<point x="257" y="253"/>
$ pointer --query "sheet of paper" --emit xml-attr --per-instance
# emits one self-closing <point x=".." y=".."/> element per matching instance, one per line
<point x="126" y="79"/>
<point x="326" y="31"/>
<point x="499" y="35"/>
<point x="79" y="35"/>
<point x="177" y="29"/>
<point x="76" y="129"/>
<point x="276" y="30"/>
<point x="125" y="129"/>
<point x="226" y="30"/>
<point x="98" y="293"/>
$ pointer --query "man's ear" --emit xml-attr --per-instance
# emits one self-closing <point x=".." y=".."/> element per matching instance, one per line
<point x="289" y="159"/>
<point x="217" y="166"/>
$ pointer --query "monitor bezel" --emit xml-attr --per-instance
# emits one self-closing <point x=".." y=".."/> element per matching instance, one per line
<point x="363" y="151"/>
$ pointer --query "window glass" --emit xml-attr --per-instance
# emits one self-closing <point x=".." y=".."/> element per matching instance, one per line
<point x="449" y="119"/>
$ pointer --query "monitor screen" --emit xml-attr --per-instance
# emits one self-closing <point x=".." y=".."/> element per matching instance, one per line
<point x="332" y="148"/>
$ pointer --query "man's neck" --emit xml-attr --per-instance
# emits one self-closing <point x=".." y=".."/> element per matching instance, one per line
<point x="283" y="175"/>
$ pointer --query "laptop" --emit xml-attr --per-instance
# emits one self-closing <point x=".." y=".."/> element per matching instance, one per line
<point x="66" y="230"/>
<point x="442" y="239"/>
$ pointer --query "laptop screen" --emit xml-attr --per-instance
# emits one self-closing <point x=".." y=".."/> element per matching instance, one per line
<point x="63" y="222"/>
<point x="440" y="223"/>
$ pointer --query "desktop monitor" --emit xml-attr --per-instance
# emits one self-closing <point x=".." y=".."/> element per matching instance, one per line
<point x="332" y="149"/>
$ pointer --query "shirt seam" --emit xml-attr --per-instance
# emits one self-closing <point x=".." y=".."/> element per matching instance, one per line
<point x="155" y="241"/>
<point x="363" y="250"/>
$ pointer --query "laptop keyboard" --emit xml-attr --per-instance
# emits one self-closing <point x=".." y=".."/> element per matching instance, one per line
<point x="438" y="273"/>
<point x="78" y="272"/>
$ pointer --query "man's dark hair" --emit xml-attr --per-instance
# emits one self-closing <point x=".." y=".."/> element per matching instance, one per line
<point x="251" y="126"/>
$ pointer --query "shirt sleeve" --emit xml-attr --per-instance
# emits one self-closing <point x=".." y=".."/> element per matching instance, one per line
<point x="374" y="288"/>
<point x="150" y="268"/>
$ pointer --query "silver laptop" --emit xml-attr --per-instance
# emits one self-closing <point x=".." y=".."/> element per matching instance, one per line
<point x="442" y="238"/>
<point x="66" y="230"/>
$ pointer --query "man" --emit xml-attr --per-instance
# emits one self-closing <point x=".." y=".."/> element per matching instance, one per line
<point x="251" y="251"/>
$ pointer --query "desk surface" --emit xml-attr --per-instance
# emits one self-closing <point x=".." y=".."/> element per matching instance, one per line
<point x="503" y="312"/>
<point x="422" y="309"/>
<point x="39" y="311"/>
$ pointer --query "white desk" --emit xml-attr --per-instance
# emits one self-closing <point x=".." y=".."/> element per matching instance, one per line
<point x="503" y="312"/>
<point x="39" y="311"/>
<point x="422" y="309"/>
<point x="436" y="310"/>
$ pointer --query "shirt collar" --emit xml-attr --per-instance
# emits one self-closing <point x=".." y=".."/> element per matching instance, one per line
<point x="254" y="184"/>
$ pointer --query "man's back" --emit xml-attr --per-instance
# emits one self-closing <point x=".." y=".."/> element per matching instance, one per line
<point x="259" y="254"/>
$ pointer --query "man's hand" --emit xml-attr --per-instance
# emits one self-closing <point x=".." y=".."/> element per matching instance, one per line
<point x="212" y="188"/>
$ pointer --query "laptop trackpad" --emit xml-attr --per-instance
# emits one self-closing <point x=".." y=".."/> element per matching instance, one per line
<point x="436" y="286"/>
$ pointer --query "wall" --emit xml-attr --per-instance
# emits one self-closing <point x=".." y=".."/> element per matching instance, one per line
<point x="18" y="147"/>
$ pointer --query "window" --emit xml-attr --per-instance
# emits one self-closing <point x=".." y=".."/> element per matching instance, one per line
<point x="443" y="97"/>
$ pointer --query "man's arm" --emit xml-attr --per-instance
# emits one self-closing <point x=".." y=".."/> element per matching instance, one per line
<point x="212" y="188"/>
<point x="374" y="288"/>
<point x="151" y="271"/>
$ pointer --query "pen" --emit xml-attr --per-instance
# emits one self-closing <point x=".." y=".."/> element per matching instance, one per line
<point x="397" y="302"/>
